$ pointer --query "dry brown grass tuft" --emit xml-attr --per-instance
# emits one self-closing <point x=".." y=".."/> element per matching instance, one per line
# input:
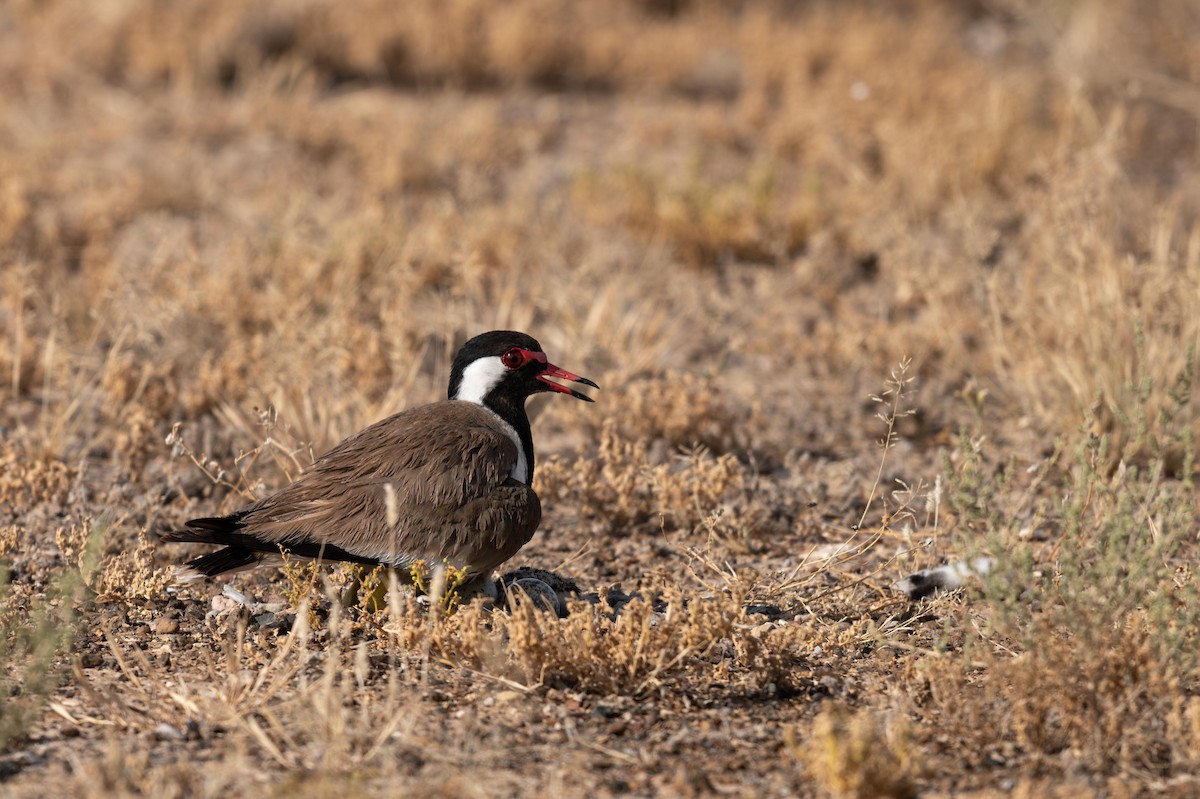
<point x="1083" y="654"/>
<point x="27" y="483"/>
<point x="855" y="755"/>
<point x="648" y="645"/>
<point x="1113" y="701"/>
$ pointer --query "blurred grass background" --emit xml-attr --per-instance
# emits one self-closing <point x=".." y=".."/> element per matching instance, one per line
<point x="265" y="225"/>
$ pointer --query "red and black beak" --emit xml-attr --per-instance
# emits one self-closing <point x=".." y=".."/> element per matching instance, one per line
<point x="553" y="373"/>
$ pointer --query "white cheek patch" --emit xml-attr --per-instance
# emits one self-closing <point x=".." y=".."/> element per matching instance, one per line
<point x="479" y="378"/>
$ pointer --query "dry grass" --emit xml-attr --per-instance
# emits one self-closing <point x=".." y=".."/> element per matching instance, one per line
<point x="231" y="234"/>
<point x="854" y="756"/>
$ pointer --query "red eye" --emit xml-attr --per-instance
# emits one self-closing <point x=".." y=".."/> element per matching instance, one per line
<point x="513" y="359"/>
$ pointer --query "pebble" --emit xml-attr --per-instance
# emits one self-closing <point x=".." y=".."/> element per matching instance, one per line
<point x="166" y="732"/>
<point x="165" y="626"/>
<point x="222" y="604"/>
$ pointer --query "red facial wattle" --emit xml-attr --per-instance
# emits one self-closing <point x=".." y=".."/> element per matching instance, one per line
<point x="518" y="358"/>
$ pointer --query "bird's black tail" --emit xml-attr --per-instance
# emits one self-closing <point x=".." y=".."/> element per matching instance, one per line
<point x="243" y="549"/>
<point x="224" y="560"/>
<point x="215" y="530"/>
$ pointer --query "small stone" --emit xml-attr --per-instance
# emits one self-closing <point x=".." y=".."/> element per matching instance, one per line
<point x="222" y="604"/>
<point x="606" y="711"/>
<point x="617" y="727"/>
<point x="165" y="732"/>
<point x="269" y="620"/>
<point x="165" y="626"/>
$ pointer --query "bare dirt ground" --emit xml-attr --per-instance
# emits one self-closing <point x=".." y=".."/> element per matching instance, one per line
<point x="778" y="235"/>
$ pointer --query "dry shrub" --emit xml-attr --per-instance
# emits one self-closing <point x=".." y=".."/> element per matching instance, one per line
<point x="131" y="573"/>
<point x="633" y="652"/>
<point x="858" y="755"/>
<point x="1092" y="650"/>
<point x="277" y="456"/>
<point x="134" y="377"/>
<point x="1103" y="693"/>
<point x="947" y="694"/>
<point x="21" y="362"/>
<point x="109" y="566"/>
<point x="123" y="770"/>
<point x="799" y="155"/>
<point x="28" y="482"/>
<point x="621" y="488"/>
<point x="9" y="535"/>
<point x="1110" y="695"/>
<point x="469" y="44"/>
<point x="137" y="439"/>
<point x="1114" y="646"/>
<point x="72" y="543"/>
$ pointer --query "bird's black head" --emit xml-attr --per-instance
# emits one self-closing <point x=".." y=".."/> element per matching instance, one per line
<point x="502" y="368"/>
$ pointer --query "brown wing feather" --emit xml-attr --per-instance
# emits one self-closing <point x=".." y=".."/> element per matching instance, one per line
<point x="429" y="483"/>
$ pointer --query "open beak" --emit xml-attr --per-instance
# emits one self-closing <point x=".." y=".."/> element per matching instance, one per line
<point x="552" y="374"/>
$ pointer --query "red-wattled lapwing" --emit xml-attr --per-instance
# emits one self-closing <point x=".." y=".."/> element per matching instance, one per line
<point x="445" y="483"/>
